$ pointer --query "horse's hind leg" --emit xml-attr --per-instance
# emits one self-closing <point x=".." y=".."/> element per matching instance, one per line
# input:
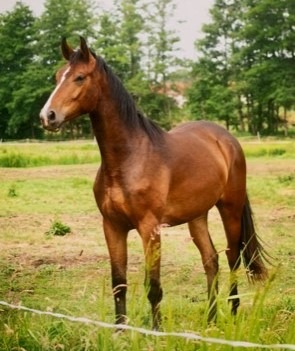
<point x="201" y="238"/>
<point x="231" y="217"/>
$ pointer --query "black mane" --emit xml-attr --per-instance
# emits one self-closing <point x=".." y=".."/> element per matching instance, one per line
<point x="132" y="116"/>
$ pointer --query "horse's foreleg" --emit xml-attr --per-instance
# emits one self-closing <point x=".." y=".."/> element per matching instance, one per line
<point x="201" y="238"/>
<point x="116" y="239"/>
<point x="152" y="250"/>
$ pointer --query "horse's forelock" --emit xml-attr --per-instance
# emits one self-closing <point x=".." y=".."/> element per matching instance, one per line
<point x="76" y="57"/>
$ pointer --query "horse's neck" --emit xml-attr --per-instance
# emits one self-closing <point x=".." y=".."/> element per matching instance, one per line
<point x="116" y="142"/>
<point x="121" y="132"/>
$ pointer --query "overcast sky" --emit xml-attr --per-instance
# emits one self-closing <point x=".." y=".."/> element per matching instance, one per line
<point x="194" y="12"/>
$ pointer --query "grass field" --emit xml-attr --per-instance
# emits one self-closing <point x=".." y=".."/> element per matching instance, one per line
<point x="45" y="184"/>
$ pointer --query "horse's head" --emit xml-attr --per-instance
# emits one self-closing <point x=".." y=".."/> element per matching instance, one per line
<point x="75" y="94"/>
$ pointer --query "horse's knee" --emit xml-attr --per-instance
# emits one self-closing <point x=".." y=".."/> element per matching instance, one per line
<point x="233" y="258"/>
<point x="211" y="266"/>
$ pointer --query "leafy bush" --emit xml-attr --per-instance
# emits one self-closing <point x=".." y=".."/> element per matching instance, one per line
<point x="286" y="179"/>
<point x="276" y="152"/>
<point x="12" y="191"/>
<point x="58" y="228"/>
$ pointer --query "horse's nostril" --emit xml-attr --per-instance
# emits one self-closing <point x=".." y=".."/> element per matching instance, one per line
<point x="51" y="116"/>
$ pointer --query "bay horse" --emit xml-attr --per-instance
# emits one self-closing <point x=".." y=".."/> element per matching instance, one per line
<point x="151" y="178"/>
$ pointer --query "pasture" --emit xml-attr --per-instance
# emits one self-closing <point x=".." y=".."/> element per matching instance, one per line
<point x="45" y="184"/>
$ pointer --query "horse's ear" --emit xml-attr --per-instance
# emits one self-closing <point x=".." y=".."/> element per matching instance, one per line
<point x="84" y="49"/>
<point x="67" y="51"/>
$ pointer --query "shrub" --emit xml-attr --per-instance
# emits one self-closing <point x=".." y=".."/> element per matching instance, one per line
<point x="286" y="179"/>
<point x="12" y="191"/>
<point x="58" y="228"/>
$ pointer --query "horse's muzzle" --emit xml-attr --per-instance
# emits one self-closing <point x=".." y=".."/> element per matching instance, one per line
<point x="49" y="121"/>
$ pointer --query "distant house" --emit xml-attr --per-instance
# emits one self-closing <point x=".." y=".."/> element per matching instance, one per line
<point x="175" y="90"/>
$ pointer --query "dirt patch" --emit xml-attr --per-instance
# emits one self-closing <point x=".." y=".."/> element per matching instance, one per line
<point x="65" y="252"/>
<point x="38" y="258"/>
<point x="271" y="167"/>
<point x="33" y="227"/>
<point x="42" y="256"/>
<point x="29" y="245"/>
<point x="49" y="172"/>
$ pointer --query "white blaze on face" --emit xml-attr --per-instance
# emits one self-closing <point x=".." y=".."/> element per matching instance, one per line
<point x="45" y="109"/>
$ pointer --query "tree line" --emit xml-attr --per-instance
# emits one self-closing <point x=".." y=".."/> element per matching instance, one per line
<point x="245" y="73"/>
<point x="243" y="76"/>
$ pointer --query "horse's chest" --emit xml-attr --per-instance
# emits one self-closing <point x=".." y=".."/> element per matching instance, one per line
<point x="130" y="202"/>
<point x="113" y="201"/>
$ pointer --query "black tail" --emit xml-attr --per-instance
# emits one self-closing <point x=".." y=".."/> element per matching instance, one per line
<point x="252" y="251"/>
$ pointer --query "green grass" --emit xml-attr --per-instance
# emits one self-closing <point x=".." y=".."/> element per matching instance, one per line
<point x="41" y="154"/>
<point x="20" y="155"/>
<point x="259" y="320"/>
<point x="26" y="194"/>
<point x="71" y="275"/>
<point x="269" y="149"/>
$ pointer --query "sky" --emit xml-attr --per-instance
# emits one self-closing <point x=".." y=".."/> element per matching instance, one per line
<point x="193" y="13"/>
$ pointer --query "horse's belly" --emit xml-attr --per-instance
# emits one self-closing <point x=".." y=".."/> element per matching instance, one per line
<point x="187" y="204"/>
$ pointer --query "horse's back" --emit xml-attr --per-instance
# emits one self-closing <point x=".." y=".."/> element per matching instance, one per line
<point x="203" y="129"/>
<point x="209" y="140"/>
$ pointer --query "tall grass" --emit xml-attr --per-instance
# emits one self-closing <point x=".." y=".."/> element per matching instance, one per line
<point x="43" y="154"/>
<point x="269" y="149"/>
<point x="258" y="323"/>
<point x="71" y="153"/>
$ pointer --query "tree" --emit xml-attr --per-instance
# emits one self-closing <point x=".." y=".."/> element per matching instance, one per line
<point x="246" y="65"/>
<point x="160" y="61"/>
<point x="267" y="57"/>
<point x="161" y="40"/>
<point x="131" y="27"/>
<point x="30" y="57"/>
<point x="109" y="44"/>
<point x="122" y="40"/>
<point x="68" y="18"/>
<point x="118" y="39"/>
<point x="16" y="32"/>
<point x="212" y="95"/>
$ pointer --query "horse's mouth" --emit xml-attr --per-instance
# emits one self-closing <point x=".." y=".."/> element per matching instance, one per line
<point x="52" y="127"/>
<point x="54" y="130"/>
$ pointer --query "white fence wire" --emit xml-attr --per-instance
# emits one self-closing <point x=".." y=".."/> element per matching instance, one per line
<point x="185" y="335"/>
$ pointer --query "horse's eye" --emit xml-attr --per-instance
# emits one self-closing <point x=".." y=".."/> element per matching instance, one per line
<point x="80" y="78"/>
